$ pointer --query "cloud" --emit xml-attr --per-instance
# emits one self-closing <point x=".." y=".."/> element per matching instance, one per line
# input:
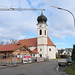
<point x="21" y="24"/>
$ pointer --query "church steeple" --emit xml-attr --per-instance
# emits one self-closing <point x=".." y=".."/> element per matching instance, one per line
<point x="41" y="18"/>
<point x="42" y="35"/>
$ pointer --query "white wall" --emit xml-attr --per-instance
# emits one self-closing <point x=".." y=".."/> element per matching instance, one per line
<point x="44" y="50"/>
<point x="32" y="48"/>
<point x="42" y="40"/>
<point x="52" y="53"/>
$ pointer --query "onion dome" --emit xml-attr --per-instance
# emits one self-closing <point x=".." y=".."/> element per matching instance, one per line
<point x="41" y="19"/>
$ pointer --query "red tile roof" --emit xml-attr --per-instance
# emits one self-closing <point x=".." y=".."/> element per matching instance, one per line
<point x="50" y="43"/>
<point x="9" y="47"/>
<point x="29" y="42"/>
<point x="35" y="51"/>
<point x="12" y="47"/>
<point x="33" y="42"/>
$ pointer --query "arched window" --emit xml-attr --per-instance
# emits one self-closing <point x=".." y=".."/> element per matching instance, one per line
<point x="40" y="32"/>
<point x="49" y="49"/>
<point x="45" y="32"/>
<point x="40" y="49"/>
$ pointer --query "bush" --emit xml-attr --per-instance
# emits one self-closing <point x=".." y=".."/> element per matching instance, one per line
<point x="73" y="53"/>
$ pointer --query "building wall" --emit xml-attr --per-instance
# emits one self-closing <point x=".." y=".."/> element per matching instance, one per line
<point x="19" y="51"/>
<point x="32" y="48"/>
<point x="52" y="52"/>
<point x="42" y="49"/>
<point x="42" y="40"/>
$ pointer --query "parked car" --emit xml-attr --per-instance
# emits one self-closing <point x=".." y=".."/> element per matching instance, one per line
<point x="62" y="62"/>
<point x="69" y="59"/>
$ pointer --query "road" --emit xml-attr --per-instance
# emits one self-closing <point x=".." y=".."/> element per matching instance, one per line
<point x="42" y="68"/>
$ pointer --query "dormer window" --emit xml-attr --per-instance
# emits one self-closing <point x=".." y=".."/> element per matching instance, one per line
<point x="18" y="43"/>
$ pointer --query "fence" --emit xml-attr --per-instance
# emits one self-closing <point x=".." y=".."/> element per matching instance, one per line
<point x="9" y="60"/>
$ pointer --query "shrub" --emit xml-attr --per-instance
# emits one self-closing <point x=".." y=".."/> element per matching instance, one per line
<point x="73" y="53"/>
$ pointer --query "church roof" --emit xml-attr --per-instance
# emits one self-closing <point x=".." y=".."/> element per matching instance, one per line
<point x="33" y="42"/>
<point x="35" y="51"/>
<point x="29" y="42"/>
<point x="42" y="19"/>
<point x="50" y="43"/>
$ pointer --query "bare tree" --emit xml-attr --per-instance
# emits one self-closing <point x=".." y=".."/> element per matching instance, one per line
<point x="1" y="42"/>
<point x="13" y="41"/>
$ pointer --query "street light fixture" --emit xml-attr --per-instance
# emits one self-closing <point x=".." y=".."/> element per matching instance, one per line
<point x="65" y="10"/>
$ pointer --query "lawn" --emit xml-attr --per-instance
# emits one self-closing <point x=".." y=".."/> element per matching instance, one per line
<point x="70" y="70"/>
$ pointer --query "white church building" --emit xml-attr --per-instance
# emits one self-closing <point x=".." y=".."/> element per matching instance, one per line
<point x="42" y="46"/>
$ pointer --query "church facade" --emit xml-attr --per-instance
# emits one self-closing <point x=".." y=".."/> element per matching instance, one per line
<point x="42" y="46"/>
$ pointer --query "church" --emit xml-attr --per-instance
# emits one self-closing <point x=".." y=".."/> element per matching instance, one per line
<point x="42" y="46"/>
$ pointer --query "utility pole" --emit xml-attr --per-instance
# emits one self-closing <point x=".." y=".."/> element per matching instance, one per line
<point x="67" y="11"/>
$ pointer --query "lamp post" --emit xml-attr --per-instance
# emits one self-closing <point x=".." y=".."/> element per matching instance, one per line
<point x="65" y="10"/>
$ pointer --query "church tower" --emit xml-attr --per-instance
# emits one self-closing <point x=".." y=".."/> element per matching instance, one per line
<point x="42" y="36"/>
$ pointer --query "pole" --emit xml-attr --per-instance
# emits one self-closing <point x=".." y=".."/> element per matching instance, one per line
<point x="67" y="11"/>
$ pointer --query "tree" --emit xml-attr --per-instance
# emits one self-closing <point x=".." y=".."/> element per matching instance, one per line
<point x="11" y="41"/>
<point x="1" y="42"/>
<point x="73" y="53"/>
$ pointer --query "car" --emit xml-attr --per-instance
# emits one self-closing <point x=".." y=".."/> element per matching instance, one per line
<point x="69" y="59"/>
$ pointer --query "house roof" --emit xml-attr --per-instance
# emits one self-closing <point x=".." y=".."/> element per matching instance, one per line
<point x="0" y="45"/>
<point x="33" y="42"/>
<point x="35" y="51"/>
<point x="12" y="47"/>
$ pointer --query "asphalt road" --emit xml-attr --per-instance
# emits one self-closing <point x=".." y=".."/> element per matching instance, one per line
<point x="42" y="68"/>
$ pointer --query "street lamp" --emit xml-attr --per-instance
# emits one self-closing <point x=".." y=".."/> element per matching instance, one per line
<point x="67" y="11"/>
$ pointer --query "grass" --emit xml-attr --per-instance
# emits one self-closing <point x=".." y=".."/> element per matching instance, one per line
<point x="70" y="70"/>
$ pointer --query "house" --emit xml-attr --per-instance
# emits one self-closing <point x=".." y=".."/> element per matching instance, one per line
<point x="9" y="51"/>
<point x="42" y="45"/>
<point x="67" y="51"/>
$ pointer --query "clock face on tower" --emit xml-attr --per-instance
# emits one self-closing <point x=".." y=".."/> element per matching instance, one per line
<point x="45" y="25"/>
<point x="40" y="25"/>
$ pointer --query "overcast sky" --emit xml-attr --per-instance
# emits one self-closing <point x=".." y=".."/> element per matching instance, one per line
<point x="22" y="24"/>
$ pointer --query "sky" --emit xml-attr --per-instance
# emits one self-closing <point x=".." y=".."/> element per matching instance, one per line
<point x="22" y="24"/>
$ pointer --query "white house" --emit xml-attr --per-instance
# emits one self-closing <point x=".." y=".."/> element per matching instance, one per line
<point x="67" y="52"/>
<point x="42" y="46"/>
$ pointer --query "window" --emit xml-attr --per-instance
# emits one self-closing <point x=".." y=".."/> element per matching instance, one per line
<point x="45" y="32"/>
<point x="45" y="25"/>
<point x="40" y="55"/>
<point x="33" y="54"/>
<point x="49" y="49"/>
<point x="40" y="32"/>
<point x="40" y="49"/>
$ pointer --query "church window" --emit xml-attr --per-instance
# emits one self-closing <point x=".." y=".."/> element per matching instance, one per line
<point x="40" y="49"/>
<point x="40" y="55"/>
<point x="49" y="49"/>
<point x="33" y="54"/>
<point x="40" y="32"/>
<point x="45" y="32"/>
